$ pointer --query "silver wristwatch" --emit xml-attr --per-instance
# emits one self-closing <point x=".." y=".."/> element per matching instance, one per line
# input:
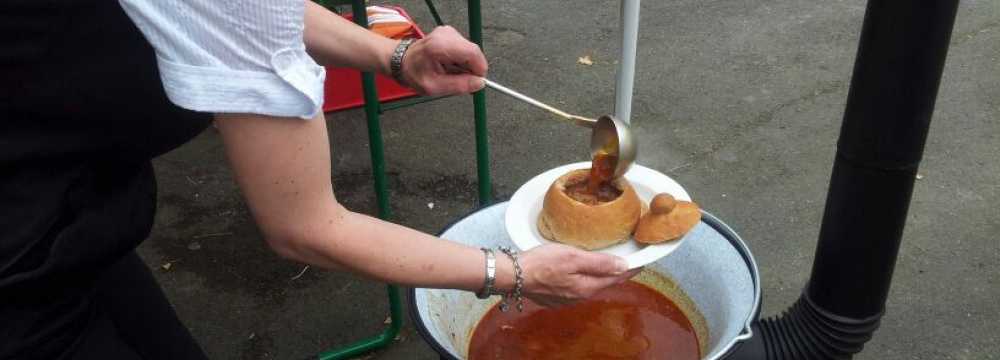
<point x="491" y="275"/>
<point x="396" y="61"/>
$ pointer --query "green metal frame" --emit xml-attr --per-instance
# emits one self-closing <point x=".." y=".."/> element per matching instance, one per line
<point x="373" y="108"/>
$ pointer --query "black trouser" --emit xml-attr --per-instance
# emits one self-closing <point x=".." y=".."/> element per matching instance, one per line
<point x="134" y="320"/>
<point x="82" y="112"/>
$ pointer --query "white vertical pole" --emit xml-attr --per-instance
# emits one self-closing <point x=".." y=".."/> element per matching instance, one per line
<point x="626" y="62"/>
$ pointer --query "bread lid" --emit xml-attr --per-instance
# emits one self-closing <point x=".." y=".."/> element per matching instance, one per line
<point x="667" y="219"/>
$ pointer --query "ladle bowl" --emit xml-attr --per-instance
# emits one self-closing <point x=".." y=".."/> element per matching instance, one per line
<point x="614" y="137"/>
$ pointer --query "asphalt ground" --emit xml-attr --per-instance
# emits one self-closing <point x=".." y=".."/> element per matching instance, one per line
<point x="741" y="102"/>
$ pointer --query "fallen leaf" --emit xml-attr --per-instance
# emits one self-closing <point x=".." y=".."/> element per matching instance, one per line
<point x="166" y="265"/>
<point x="388" y="320"/>
<point x="296" y="277"/>
<point x="586" y="60"/>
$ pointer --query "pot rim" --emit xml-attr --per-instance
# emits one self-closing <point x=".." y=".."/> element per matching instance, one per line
<point x="707" y="218"/>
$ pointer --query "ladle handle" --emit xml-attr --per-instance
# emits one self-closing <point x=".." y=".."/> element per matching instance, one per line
<point x="579" y="120"/>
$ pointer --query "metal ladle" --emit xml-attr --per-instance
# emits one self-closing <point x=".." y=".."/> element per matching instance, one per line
<point x="608" y="136"/>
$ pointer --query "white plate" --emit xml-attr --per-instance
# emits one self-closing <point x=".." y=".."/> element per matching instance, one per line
<point x="526" y="205"/>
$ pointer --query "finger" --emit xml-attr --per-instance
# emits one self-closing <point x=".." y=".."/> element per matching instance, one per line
<point x="559" y="301"/>
<point x="599" y="264"/>
<point x="596" y="284"/>
<point x="623" y="277"/>
<point x="546" y="300"/>
<point x="445" y="29"/>
<point x="591" y="285"/>
<point x="472" y="56"/>
<point x="455" y="49"/>
<point x="631" y="273"/>
<point x="454" y="84"/>
<point x="455" y="69"/>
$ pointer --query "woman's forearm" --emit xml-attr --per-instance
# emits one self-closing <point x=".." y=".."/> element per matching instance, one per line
<point x="283" y="167"/>
<point x="393" y="253"/>
<point x="333" y="40"/>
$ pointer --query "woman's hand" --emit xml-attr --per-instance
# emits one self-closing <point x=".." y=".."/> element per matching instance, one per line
<point x="444" y="63"/>
<point x="559" y="274"/>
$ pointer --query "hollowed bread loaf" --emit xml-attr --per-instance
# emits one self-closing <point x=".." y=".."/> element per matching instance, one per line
<point x="588" y="225"/>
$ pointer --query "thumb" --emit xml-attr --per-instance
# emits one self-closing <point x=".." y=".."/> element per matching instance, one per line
<point x="458" y="84"/>
<point x="599" y="264"/>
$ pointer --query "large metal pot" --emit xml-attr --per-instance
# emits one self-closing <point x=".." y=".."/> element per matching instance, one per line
<point x="713" y="268"/>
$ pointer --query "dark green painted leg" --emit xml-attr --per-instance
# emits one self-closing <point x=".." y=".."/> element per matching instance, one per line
<point x="479" y="102"/>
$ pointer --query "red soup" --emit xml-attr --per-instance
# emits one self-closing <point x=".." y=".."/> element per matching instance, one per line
<point x="629" y="321"/>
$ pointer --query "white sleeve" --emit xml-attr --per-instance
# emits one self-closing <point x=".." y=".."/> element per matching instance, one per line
<point x="229" y="56"/>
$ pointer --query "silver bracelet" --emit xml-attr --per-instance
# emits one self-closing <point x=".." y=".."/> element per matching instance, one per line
<point x="396" y="60"/>
<point x="491" y="275"/>
<point x="518" y="282"/>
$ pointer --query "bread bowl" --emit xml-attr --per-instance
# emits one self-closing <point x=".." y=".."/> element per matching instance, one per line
<point x="572" y="216"/>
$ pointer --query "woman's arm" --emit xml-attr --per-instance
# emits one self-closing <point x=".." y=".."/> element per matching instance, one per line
<point x="335" y="41"/>
<point x="282" y="165"/>
<point x="283" y="168"/>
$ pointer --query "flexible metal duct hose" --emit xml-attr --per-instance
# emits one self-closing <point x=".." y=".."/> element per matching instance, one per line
<point x="898" y="68"/>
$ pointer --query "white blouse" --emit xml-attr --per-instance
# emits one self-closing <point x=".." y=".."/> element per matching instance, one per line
<point x="232" y="56"/>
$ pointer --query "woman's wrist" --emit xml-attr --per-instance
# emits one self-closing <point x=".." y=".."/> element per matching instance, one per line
<point x="505" y="274"/>
<point x="385" y="50"/>
<point x="396" y="61"/>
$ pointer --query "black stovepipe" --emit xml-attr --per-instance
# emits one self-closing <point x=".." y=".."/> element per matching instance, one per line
<point x="889" y="106"/>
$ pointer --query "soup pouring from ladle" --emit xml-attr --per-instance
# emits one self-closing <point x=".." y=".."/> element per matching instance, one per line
<point x="609" y="136"/>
